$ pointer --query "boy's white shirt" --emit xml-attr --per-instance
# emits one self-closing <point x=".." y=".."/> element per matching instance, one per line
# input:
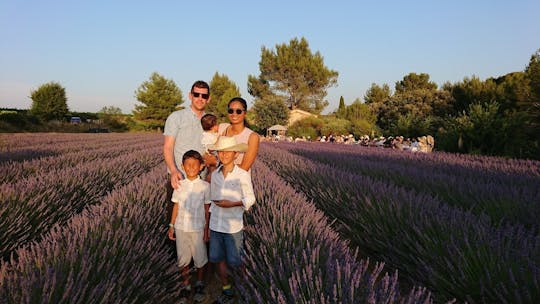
<point x="191" y="196"/>
<point x="237" y="186"/>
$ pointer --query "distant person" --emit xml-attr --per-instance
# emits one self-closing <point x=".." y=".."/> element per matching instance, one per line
<point x="231" y="192"/>
<point x="189" y="224"/>
<point x="237" y="110"/>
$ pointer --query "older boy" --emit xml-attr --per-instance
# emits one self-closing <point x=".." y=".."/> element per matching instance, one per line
<point x="231" y="194"/>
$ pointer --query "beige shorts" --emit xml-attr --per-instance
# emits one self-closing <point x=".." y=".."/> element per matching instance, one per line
<point x="190" y="245"/>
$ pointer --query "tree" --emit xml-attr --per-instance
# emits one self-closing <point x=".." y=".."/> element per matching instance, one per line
<point x="411" y="109"/>
<point x="472" y="90"/>
<point x="342" y="109"/>
<point x="295" y="73"/>
<point x="362" y="118"/>
<point x="222" y="91"/>
<point x="376" y="97"/>
<point x="377" y="94"/>
<point x="413" y="82"/>
<point x="114" y="119"/>
<point x="49" y="102"/>
<point x="270" y="112"/>
<point x="335" y="126"/>
<point x="112" y="110"/>
<point x="309" y="127"/>
<point x="160" y="97"/>
<point x="533" y="73"/>
<point x="360" y="111"/>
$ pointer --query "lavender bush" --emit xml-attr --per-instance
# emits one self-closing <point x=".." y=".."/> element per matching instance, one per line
<point x="77" y="155"/>
<point x="96" y="230"/>
<point x="452" y="252"/>
<point x="31" y="206"/>
<point x="293" y="256"/>
<point x="508" y="191"/>
<point x="111" y="253"/>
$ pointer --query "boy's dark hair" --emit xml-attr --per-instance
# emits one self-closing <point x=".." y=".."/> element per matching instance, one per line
<point x="200" y="84"/>
<point x="208" y="121"/>
<point x="192" y="154"/>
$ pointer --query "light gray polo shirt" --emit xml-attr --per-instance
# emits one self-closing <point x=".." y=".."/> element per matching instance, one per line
<point x="185" y="127"/>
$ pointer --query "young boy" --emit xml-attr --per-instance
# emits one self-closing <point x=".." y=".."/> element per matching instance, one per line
<point x="189" y="223"/>
<point x="209" y="137"/>
<point x="231" y="194"/>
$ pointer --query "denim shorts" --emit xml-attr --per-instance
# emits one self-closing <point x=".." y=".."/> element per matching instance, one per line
<point x="228" y="247"/>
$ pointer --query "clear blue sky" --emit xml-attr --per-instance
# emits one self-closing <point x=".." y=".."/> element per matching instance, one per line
<point x="102" y="51"/>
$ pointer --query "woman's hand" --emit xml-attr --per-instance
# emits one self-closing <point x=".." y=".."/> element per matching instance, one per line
<point x="209" y="159"/>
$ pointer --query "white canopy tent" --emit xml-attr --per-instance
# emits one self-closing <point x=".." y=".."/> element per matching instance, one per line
<point x="276" y="129"/>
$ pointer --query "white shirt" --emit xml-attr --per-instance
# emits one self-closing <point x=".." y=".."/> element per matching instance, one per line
<point x="185" y="126"/>
<point x="235" y="187"/>
<point x="191" y="196"/>
<point x="208" y="139"/>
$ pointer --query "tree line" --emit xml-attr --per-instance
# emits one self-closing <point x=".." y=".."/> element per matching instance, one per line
<point x="497" y="116"/>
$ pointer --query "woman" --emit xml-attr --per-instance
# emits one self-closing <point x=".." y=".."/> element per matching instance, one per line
<point x="237" y="109"/>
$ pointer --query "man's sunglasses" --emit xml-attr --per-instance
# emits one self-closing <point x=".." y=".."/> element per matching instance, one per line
<point x="203" y="95"/>
<point x="238" y="111"/>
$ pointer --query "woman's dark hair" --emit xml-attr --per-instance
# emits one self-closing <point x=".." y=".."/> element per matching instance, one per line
<point x="240" y="100"/>
<point x="192" y="154"/>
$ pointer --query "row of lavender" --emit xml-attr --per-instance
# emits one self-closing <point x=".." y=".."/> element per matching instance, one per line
<point x="47" y="191"/>
<point x="294" y="256"/>
<point x="455" y="253"/>
<point x="60" y="155"/>
<point x="114" y="251"/>
<point x="27" y="146"/>
<point x="506" y="190"/>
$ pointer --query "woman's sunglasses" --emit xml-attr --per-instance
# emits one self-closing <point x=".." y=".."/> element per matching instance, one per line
<point x="238" y="111"/>
<point x="203" y="95"/>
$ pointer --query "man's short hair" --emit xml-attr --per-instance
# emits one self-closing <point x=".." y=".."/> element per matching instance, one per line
<point x="200" y="84"/>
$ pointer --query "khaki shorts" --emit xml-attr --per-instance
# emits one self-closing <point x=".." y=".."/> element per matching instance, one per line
<point x="190" y="245"/>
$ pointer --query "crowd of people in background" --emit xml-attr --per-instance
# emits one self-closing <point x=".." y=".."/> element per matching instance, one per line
<point x="423" y="144"/>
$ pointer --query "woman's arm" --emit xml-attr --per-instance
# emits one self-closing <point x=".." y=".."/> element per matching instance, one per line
<point x="251" y="153"/>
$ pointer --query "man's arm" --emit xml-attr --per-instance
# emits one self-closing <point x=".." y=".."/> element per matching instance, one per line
<point x="168" y="155"/>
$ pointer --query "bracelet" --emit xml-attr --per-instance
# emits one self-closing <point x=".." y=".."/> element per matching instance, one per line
<point x="171" y="225"/>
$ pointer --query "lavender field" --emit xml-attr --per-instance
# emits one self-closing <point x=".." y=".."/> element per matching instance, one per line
<point x="83" y="220"/>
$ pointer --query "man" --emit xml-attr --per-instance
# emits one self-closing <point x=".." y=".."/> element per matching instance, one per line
<point x="183" y="132"/>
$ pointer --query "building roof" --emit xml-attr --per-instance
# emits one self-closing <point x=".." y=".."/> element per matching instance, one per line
<point x="277" y="128"/>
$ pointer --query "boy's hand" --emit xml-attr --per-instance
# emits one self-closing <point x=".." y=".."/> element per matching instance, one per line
<point x="206" y="235"/>
<point x="225" y="203"/>
<point x="170" y="234"/>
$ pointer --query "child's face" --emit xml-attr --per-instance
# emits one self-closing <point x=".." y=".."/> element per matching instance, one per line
<point x="214" y="129"/>
<point x="192" y="167"/>
<point x="227" y="157"/>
